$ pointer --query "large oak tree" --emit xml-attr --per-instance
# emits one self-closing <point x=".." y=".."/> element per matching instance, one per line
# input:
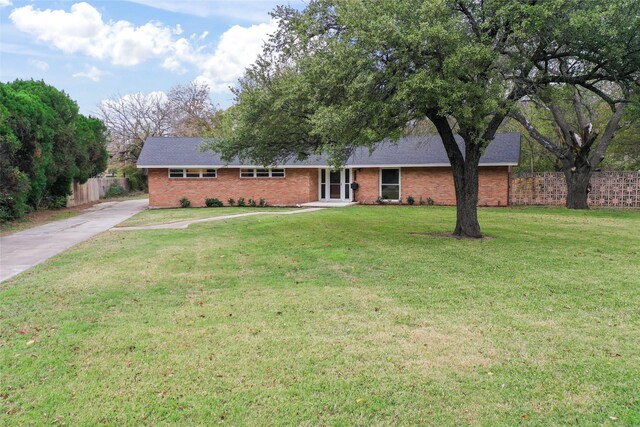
<point x="583" y="132"/>
<point x="347" y="73"/>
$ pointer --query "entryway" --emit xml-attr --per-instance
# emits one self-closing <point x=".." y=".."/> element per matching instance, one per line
<point x="335" y="185"/>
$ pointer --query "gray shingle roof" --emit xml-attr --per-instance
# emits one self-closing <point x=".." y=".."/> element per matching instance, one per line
<point x="161" y="152"/>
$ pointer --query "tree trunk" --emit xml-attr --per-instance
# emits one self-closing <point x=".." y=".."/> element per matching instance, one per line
<point x="465" y="178"/>
<point x="577" y="187"/>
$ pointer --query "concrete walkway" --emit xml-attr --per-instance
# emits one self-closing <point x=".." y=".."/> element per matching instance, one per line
<point x="25" y="249"/>
<point x="187" y="223"/>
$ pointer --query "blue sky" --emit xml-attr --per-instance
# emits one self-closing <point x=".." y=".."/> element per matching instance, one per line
<point x="96" y="50"/>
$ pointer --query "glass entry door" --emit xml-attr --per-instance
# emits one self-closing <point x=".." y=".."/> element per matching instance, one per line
<point x="335" y="184"/>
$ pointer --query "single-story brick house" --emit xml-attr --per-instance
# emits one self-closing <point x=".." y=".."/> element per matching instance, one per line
<point x="412" y="166"/>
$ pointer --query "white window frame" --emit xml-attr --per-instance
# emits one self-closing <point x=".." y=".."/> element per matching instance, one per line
<point x="201" y="172"/>
<point x="399" y="184"/>
<point x="346" y="194"/>
<point x="255" y="173"/>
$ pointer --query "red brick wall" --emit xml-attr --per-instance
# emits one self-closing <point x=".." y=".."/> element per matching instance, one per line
<point x="299" y="186"/>
<point x="368" y="180"/>
<point x="436" y="183"/>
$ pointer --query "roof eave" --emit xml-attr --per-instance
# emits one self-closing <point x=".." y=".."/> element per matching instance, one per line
<point x="429" y="165"/>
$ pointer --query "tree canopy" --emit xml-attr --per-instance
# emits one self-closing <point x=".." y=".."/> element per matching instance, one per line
<point x="186" y="110"/>
<point x="45" y="145"/>
<point x="348" y="73"/>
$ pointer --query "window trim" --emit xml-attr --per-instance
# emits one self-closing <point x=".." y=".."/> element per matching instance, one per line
<point x="255" y="173"/>
<point x="201" y="172"/>
<point x="399" y="184"/>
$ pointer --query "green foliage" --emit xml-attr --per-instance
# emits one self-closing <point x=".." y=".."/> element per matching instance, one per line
<point x="349" y="73"/>
<point x="137" y="178"/>
<point x="391" y="62"/>
<point x="411" y="200"/>
<point x="45" y="145"/>
<point x="184" y="202"/>
<point x="115" y="190"/>
<point x="50" y="201"/>
<point x="252" y="203"/>
<point x="15" y="183"/>
<point x="241" y="202"/>
<point x="213" y="203"/>
<point x="231" y="202"/>
<point x="92" y="157"/>
<point x="262" y="203"/>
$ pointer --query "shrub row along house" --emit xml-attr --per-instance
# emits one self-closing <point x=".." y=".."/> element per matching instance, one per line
<point x="415" y="167"/>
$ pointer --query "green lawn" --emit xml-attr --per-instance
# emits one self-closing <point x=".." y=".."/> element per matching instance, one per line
<point x="35" y="219"/>
<point x="353" y="316"/>
<point x="163" y="216"/>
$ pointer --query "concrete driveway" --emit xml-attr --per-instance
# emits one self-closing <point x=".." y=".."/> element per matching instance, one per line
<point x="25" y="249"/>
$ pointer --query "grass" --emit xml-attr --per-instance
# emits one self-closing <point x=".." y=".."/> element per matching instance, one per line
<point x="348" y="316"/>
<point x="36" y="218"/>
<point x="41" y="217"/>
<point x="163" y="216"/>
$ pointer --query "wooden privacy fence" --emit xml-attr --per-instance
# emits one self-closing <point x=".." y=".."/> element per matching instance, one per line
<point x="608" y="189"/>
<point x="93" y="190"/>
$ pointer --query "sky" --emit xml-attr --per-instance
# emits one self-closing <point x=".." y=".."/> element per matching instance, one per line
<point x="96" y="50"/>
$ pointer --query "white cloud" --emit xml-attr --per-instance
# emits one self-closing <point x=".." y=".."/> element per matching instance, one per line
<point x="237" y="48"/>
<point x="5" y="3"/>
<point x="91" y="73"/>
<point x="82" y="30"/>
<point x="40" y="65"/>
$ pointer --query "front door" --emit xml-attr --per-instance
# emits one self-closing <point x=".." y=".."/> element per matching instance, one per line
<point x="335" y="184"/>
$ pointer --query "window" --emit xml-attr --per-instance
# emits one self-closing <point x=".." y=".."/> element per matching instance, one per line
<point x="261" y="173"/>
<point x="347" y="182"/>
<point x="193" y="173"/>
<point x="390" y="184"/>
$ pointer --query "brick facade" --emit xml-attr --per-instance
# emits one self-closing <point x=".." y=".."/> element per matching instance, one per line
<point x="437" y="184"/>
<point x="298" y="186"/>
<point x="301" y="186"/>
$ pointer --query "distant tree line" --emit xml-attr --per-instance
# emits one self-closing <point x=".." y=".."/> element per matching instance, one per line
<point x="45" y="145"/>
<point x="184" y="111"/>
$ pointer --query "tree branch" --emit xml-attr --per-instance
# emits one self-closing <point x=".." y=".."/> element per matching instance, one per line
<point x="448" y="138"/>
<point x="565" y="129"/>
<point x="467" y="13"/>
<point x="577" y="105"/>
<point x="607" y="136"/>
<point x="533" y="132"/>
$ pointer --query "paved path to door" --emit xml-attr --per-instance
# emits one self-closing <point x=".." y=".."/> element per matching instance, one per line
<point x="25" y="249"/>
<point x="187" y="223"/>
